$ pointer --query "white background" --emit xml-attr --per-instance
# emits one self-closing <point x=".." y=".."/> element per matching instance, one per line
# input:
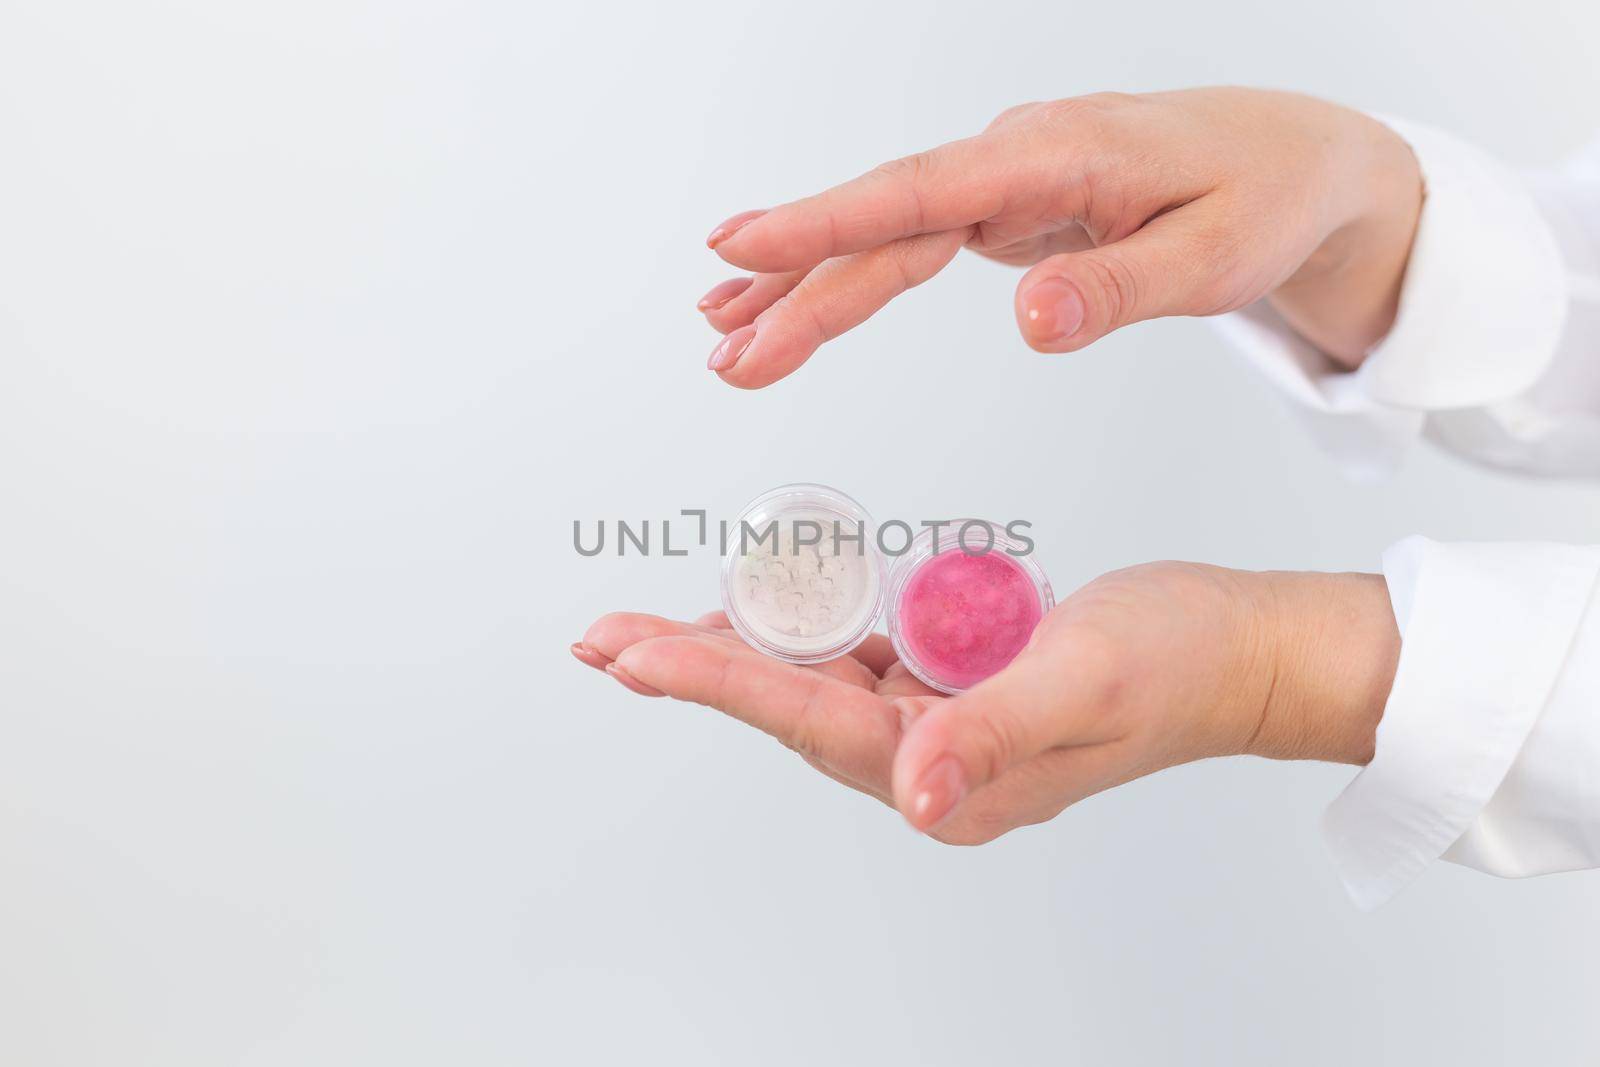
<point x="319" y="325"/>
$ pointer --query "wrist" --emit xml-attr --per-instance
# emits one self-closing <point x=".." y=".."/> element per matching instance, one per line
<point x="1331" y="644"/>
<point x="1345" y="296"/>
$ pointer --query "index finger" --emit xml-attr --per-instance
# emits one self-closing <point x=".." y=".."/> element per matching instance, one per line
<point x="844" y="726"/>
<point x="949" y="187"/>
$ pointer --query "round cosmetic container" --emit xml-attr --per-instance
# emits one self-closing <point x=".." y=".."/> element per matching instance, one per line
<point x="802" y="576"/>
<point x="961" y="609"/>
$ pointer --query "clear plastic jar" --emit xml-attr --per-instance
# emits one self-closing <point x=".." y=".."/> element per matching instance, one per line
<point x="963" y="601"/>
<point x="802" y="575"/>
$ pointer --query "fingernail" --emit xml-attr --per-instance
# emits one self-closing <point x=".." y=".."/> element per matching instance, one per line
<point x="723" y="292"/>
<point x="588" y="656"/>
<point x="728" y="227"/>
<point x="1053" y="310"/>
<point x="938" y="791"/>
<point x="727" y="353"/>
<point x="631" y="682"/>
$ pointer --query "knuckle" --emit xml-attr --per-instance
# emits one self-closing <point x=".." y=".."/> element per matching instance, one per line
<point x="1118" y="285"/>
<point x="1109" y="674"/>
<point x="999" y="741"/>
<point x="1091" y="112"/>
<point x="720" y="686"/>
<point x="908" y="262"/>
<point x="800" y="742"/>
<point x="1213" y="261"/>
<point x="1104" y="663"/>
<point x="1015" y="113"/>
<point x="800" y="309"/>
<point x="1109" y="101"/>
<point x="907" y="176"/>
<point x="1215" y="293"/>
<point x="899" y="253"/>
<point x="907" y="170"/>
<point x="802" y="736"/>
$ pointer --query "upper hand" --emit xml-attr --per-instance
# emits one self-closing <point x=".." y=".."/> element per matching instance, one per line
<point x="1125" y="207"/>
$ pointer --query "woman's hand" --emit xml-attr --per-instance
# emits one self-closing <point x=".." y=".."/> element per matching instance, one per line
<point x="1140" y="670"/>
<point x="1126" y="208"/>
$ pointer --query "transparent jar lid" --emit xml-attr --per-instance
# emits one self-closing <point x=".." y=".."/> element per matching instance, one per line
<point x="802" y="575"/>
<point x="963" y="600"/>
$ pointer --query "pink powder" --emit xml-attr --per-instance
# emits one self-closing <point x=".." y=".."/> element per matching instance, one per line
<point x="963" y="617"/>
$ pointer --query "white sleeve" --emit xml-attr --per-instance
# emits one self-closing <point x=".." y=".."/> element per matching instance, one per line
<point x="1495" y="351"/>
<point x="1488" y="753"/>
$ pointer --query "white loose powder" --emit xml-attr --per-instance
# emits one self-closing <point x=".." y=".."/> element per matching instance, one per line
<point x="804" y="598"/>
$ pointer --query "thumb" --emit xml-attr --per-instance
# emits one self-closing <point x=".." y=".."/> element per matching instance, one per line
<point x="1047" y="697"/>
<point x="1073" y="299"/>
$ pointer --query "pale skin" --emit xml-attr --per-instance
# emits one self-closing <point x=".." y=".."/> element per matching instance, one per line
<point x="1123" y="208"/>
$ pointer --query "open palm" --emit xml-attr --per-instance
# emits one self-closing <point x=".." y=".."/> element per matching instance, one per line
<point x="1141" y="669"/>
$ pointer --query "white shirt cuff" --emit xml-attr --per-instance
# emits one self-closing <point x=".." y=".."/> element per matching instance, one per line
<point x="1481" y="313"/>
<point x="1487" y="737"/>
